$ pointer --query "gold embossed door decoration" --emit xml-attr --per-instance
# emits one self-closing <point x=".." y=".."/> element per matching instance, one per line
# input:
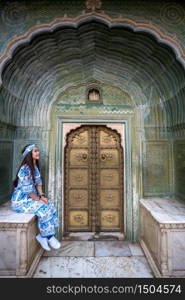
<point x="93" y="180"/>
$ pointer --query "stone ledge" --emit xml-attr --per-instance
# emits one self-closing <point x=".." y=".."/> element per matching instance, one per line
<point x="19" y="252"/>
<point x="165" y="210"/>
<point x="11" y="218"/>
<point x="163" y="235"/>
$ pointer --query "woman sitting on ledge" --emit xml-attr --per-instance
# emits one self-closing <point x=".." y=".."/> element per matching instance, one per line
<point x="28" y="197"/>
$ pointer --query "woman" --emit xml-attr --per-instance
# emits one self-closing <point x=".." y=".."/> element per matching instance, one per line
<point x="28" y="197"/>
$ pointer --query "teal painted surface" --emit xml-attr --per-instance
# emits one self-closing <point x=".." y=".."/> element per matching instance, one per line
<point x="157" y="168"/>
<point x="110" y="96"/>
<point x="92" y="109"/>
<point x="145" y="71"/>
<point x="179" y="168"/>
<point x="6" y="163"/>
<point x="19" y="16"/>
<point x="7" y="135"/>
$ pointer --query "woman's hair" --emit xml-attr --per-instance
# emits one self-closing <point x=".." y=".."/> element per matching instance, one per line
<point x="29" y="161"/>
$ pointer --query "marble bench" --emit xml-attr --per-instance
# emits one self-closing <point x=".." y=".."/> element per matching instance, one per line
<point x="163" y="235"/>
<point x="19" y="251"/>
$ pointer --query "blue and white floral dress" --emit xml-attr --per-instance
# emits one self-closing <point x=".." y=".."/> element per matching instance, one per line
<point x="21" y="202"/>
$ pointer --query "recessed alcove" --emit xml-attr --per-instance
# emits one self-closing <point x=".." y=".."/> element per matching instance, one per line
<point x="147" y="76"/>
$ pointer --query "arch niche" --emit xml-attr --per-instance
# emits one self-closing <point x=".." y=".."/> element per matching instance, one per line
<point x="136" y="59"/>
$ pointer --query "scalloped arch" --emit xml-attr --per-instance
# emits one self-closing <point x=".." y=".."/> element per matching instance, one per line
<point x="84" y="18"/>
<point x="161" y="83"/>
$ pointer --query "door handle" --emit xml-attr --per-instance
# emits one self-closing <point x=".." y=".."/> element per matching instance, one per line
<point x="106" y="156"/>
<point x="103" y="157"/>
<point x="84" y="156"/>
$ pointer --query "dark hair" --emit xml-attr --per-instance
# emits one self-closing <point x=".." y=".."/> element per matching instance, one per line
<point x="29" y="161"/>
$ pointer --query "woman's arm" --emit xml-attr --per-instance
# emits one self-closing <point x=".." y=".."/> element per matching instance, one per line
<point x="39" y="188"/>
<point x="43" y="198"/>
<point x="34" y="196"/>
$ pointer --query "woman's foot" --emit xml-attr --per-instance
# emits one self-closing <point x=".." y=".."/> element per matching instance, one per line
<point x="54" y="243"/>
<point x="43" y="242"/>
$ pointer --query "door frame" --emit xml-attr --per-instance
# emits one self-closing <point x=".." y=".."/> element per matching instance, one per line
<point x="118" y="132"/>
<point x="127" y="176"/>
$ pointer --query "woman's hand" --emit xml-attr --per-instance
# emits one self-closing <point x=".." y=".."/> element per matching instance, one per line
<point x="43" y="200"/>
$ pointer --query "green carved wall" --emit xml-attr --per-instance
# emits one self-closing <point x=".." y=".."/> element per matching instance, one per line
<point x="179" y="164"/>
<point x="157" y="168"/>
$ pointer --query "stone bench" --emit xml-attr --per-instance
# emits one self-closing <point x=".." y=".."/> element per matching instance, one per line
<point x="163" y="235"/>
<point x="19" y="250"/>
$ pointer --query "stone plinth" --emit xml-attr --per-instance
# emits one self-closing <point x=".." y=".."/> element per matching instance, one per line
<point x="19" y="251"/>
<point x="163" y="235"/>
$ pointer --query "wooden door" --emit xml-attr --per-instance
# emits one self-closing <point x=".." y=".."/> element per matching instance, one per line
<point x="93" y="180"/>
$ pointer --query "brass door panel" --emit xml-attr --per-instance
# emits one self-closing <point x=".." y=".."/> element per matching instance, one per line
<point x="109" y="177"/>
<point x="79" y="157"/>
<point x="109" y="158"/>
<point x="109" y="198"/>
<point x="93" y="180"/>
<point x="78" y="198"/>
<point x="110" y="219"/>
<point x="78" y="177"/>
<point x="80" y="139"/>
<point x="78" y="218"/>
<point x="107" y="139"/>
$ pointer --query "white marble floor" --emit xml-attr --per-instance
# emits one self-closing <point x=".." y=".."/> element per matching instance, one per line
<point x="94" y="259"/>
